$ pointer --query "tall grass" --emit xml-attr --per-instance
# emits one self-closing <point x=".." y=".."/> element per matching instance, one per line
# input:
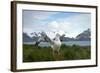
<point x="33" y="53"/>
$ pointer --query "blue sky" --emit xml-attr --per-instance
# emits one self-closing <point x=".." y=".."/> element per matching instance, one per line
<point x="70" y="23"/>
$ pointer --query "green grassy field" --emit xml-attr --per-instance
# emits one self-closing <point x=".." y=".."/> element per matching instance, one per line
<point x="32" y="53"/>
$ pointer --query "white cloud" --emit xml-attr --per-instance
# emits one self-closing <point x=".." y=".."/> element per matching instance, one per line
<point x="42" y="14"/>
<point x="71" y="25"/>
<point x="74" y="25"/>
<point x="53" y="25"/>
<point x="64" y="25"/>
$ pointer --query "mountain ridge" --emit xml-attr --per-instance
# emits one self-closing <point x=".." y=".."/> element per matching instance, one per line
<point x="85" y="35"/>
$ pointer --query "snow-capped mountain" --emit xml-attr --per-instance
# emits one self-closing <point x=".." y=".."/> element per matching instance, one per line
<point x="85" y="35"/>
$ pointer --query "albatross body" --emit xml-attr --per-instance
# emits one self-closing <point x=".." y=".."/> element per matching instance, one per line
<point x="54" y="43"/>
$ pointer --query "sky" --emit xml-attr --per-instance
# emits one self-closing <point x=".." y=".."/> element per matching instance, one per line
<point x="69" y="23"/>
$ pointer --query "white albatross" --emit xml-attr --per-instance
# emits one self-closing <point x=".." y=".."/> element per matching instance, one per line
<point x="54" y="43"/>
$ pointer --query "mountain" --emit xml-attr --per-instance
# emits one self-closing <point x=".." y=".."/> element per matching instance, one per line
<point x="67" y="39"/>
<point x="26" y="38"/>
<point x="35" y="38"/>
<point x="85" y="35"/>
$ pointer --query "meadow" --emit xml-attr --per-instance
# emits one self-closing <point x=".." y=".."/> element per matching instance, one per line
<point x="33" y="53"/>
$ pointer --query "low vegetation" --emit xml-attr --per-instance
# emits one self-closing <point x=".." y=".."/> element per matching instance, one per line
<point x="33" y="53"/>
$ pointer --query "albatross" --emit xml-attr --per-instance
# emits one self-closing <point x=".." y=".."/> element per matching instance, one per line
<point x="54" y="43"/>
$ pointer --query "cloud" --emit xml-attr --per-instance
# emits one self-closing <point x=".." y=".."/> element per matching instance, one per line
<point x="80" y="20"/>
<point x="35" y="18"/>
<point x="53" y="25"/>
<point x="70" y="23"/>
<point x="42" y="15"/>
<point x="75" y="24"/>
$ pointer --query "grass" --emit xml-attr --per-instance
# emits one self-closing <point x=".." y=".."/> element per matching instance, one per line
<point x="32" y="53"/>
